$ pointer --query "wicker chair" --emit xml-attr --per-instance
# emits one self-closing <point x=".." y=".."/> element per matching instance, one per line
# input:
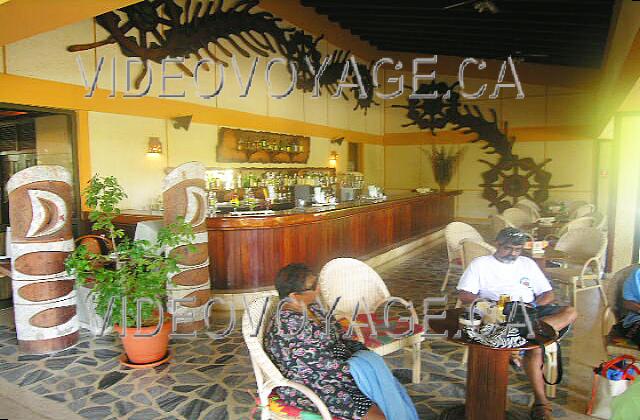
<point x="473" y="249"/>
<point x="267" y="374"/>
<point x="614" y="344"/>
<point x="360" y="288"/>
<point x="498" y="222"/>
<point x="600" y="221"/>
<point x="574" y="205"/>
<point x="586" y="248"/>
<point x="530" y="203"/>
<point x="453" y="234"/>
<point x="584" y="210"/>
<point x="517" y="217"/>
<point x="580" y="222"/>
<point x="530" y="208"/>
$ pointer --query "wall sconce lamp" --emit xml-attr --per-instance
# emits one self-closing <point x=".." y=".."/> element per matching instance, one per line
<point x="154" y="146"/>
<point x="333" y="159"/>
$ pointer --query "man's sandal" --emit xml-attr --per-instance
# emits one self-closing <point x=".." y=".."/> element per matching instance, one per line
<point x="542" y="411"/>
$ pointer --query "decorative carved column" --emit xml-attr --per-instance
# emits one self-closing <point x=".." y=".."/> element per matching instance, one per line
<point x="44" y="297"/>
<point x="184" y="195"/>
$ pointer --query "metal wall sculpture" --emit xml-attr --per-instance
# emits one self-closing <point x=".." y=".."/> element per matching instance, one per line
<point x="167" y="30"/>
<point x="183" y="193"/>
<point x="507" y="180"/>
<point x="44" y="298"/>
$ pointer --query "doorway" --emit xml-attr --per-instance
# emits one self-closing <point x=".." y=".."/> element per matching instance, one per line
<point x="32" y="136"/>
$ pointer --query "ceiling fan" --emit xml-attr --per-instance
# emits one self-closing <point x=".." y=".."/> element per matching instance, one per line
<point x="480" y="5"/>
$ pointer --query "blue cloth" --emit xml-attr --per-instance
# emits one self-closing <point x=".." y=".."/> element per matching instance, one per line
<point x="631" y="291"/>
<point x="376" y="381"/>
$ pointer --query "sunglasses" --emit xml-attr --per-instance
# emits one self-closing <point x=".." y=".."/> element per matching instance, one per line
<point x="515" y="236"/>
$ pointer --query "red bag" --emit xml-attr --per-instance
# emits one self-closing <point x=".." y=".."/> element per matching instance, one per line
<point x="604" y="388"/>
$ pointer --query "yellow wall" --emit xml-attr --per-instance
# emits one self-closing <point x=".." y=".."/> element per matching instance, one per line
<point x="54" y="140"/>
<point x="112" y="136"/>
<point x="604" y="175"/>
<point x="44" y="56"/>
<point x="117" y="143"/>
<point x="374" y="168"/>
<point x="543" y="106"/>
<point x="628" y="182"/>
<point x="548" y="108"/>
<point x="408" y="167"/>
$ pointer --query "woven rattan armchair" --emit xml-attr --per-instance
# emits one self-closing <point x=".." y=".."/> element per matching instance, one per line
<point x="580" y="222"/>
<point x="586" y="248"/>
<point x="453" y="234"/>
<point x="359" y="287"/>
<point x="518" y="217"/>
<point x="530" y="208"/>
<point x="473" y="249"/>
<point x="583" y="210"/>
<point x="574" y="205"/>
<point x="257" y="318"/>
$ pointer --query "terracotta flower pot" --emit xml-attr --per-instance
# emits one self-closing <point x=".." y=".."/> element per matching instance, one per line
<point x="146" y="350"/>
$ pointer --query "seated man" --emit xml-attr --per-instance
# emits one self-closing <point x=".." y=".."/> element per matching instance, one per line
<point x="508" y="273"/>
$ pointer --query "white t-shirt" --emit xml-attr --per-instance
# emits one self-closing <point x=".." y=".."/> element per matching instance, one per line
<point x="522" y="280"/>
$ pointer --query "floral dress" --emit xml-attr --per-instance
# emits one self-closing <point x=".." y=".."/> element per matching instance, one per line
<point x="308" y="355"/>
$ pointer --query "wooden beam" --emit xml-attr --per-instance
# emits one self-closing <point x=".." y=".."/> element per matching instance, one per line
<point x="20" y="19"/>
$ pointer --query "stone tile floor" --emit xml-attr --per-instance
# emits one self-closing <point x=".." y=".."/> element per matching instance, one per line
<point x="213" y="379"/>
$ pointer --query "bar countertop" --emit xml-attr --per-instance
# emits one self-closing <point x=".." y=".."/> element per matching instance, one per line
<point x="246" y="252"/>
<point x="290" y="216"/>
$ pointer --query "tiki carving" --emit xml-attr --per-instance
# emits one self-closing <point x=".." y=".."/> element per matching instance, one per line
<point x="44" y="297"/>
<point x="183" y="193"/>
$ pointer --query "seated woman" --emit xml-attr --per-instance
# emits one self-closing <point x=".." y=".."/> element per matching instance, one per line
<point x="313" y="353"/>
<point x="630" y="325"/>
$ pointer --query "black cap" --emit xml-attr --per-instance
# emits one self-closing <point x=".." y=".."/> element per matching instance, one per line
<point x="511" y="235"/>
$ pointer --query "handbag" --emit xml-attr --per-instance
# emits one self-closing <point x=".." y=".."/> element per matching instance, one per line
<point x="515" y="312"/>
<point x="610" y="379"/>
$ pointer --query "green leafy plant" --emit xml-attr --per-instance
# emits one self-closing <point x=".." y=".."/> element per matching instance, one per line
<point x="443" y="163"/>
<point x="136" y="269"/>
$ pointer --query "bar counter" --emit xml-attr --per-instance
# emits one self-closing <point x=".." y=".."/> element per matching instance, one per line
<point x="247" y="252"/>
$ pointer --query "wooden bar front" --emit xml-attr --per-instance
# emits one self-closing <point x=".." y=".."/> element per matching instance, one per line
<point x="247" y="252"/>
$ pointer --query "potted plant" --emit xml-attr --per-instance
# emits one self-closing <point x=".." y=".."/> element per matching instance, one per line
<point x="137" y="271"/>
<point x="443" y="164"/>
